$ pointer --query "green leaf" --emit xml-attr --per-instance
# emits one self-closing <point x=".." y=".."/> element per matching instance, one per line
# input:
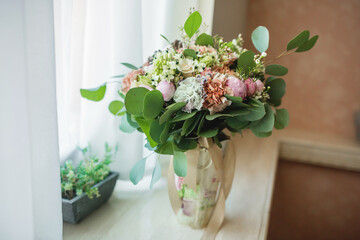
<point x="137" y="172"/>
<point x="153" y="103"/>
<point x="165" y="133"/>
<point x="204" y="40"/>
<point x="255" y="113"/>
<point x="180" y="162"/>
<point x="190" y="124"/>
<point x="145" y="127"/>
<point x="276" y="91"/>
<point x="170" y="110"/>
<point x="193" y="23"/>
<point x="262" y="135"/>
<point x="183" y="116"/>
<point x="201" y="123"/>
<point x="281" y="118"/>
<point x="209" y="133"/>
<point x="309" y="44"/>
<point x="246" y="62"/>
<point x="260" y="38"/>
<point x="118" y="76"/>
<point x="299" y="40"/>
<point x="131" y="120"/>
<point x="125" y="126"/>
<point x="94" y="94"/>
<point x="186" y="144"/>
<point x="128" y="65"/>
<point x="134" y="100"/>
<point x="147" y="145"/>
<point x="156" y="174"/>
<point x="165" y="38"/>
<point x="276" y="70"/>
<point x="155" y="130"/>
<point x="165" y="149"/>
<point x="265" y="124"/>
<point x="236" y="124"/>
<point x="115" y="107"/>
<point x="190" y="53"/>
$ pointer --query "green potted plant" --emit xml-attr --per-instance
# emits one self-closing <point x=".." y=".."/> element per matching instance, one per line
<point x="89" y="185"/>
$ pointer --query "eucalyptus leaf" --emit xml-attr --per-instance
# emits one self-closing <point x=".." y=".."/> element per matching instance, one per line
<point x="209" y="133"/>
<point x="165" y="148"/>
<point x="155" y="130"/>
<point x="134" y="100"/>
<point x="276" y="91"/>
<point x="260" y="38"/>
<point x="165" y="38"/>
<point x="94" y="94"/>
<point x="246" y="62"/>
<point x="131" y="120"/>
<point x="129" y="65"/>
<point x="193" y="23"/>
<point x="170" y="110"/>
<point x="299" y="40"/>
<point x="276" y="70"/>
<point x="115" y="107"/>
<point x="204" y="40"/>
<point x="186" y="144"/>
<point x="281" y="118"/>
<point x="180" y="163"/>
<point x="255" y="113"/>
<point x="190" y="124"/>
<point x="153" y="103"/>
<point x="118" y="76"/>
<point x="183" y="116"/>
<point x="147" y="146"/>
<point x="309" y="44"/>
<point x="145" y="127"/>
<point x="137" y="172"/>
<point x="125" y="126"/>
<point x="201" y="123"/>
<point x="265" y="124"/>
<point x="236" y="124"/>
<point x="165" y="133"/>
<point x="190" y="53"/>
<point x="156" y="174"/>
<point x="262" y="134"/>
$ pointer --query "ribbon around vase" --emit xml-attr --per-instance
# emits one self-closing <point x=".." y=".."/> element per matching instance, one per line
<point x="224" y="163"/>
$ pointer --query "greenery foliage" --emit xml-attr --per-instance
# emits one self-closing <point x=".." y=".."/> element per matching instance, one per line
<point x="90" y="171"/>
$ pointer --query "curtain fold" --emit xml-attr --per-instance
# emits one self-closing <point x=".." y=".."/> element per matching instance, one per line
<point x="92" y="39"/>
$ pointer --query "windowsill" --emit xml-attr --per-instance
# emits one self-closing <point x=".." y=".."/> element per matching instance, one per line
<point x="144" y="214"/>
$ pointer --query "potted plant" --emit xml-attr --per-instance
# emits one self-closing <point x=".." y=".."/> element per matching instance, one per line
<point x="88" y="186"/>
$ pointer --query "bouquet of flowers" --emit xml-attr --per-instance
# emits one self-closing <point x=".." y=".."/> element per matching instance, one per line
<point x="198" y="87"/>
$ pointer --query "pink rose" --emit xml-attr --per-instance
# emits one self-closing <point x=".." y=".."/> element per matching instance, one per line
<point x="130" y="78"/>
<point x="167" y="89"/>
<point x="250" y="87"/>
<point x="237" y="87"/>
<point x="259" y="86"/>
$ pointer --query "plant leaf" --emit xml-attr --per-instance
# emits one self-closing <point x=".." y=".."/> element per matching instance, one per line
<point x="180" y="162"/>
<point x="182" y="116"/>
<point x="262" y="134"/>
<point x="204" y="40"/>
<point x="246" y="62"/>
<point x="265" y="124"/>
<point x="134" y="100"/>
<point x="94" y="94"/>
<point x="137" y="172"/>
<point x="299" y="40"/>
<point x="145" y="127"/>
<point x="193" y="23"/>
<point x="276" y="91"/>
<point x="125" y="126"/>
<point x="155" y="130"/>
<point x="186" y="144"/>
<point x="260" y="38"/>
<point x="170" y="110"/>
<point x="165" y="38"/>
<point x="281" y="118"/>
<point x="190" y="53"/>
<point x="276" y="70"/>
<point x="153" y="103"/>
<point x="209" y="133"/>
<point x="236" y="123"/>
<point x="165" y="149"/>
<point x="156" y="174"/>
<point x="118" y="76"/>
<point x="309" y="44"/>
<point x="115" y="107"/>
<point x="255" y="113"/>
<point x="129" y="65"/>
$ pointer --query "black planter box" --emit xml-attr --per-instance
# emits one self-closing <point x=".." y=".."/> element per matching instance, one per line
<point x="80" y="206"/>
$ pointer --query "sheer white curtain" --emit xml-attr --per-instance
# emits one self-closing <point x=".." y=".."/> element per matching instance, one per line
<point x="92" y="39"/>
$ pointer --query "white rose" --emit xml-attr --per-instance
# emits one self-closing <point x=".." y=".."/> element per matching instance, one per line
<point x="186" y="66"/>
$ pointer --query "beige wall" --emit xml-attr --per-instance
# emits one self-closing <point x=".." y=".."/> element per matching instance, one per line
<point x="323" y="85"/>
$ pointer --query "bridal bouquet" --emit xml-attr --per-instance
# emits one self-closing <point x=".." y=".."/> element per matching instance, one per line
<point x="199" y="86"/>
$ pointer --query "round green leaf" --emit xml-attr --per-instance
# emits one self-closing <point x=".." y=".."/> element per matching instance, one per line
<point x="262" y="134"/>
<point x="125" y="126"/>
<point x="309" y="44"/>
<point x="204" y="40"/>
<point x="187" y="144"/>
<point x="137" y="172"/>
<point x="281" y="118"/>
<point x="190" y="53"/>
<point x="153" y="103"/>
<point x="166" y="148"/>
<point x="193" y="23"/>
<point x="299" y="40"/>
<point x="276" y="70"/>
<point x="276" y="91"/>
<point x="134" y="100"/>
<point x="246" y="62"/>
<point x="115" y="107"/>
<point x="260" y="38"/>
<point x="145" y="127"/>
<point x="209" y="133"/>
<point x="254" y="113"/>
<point x="236" y="124"/>
<point x="265" y="124"/>
<point x="183" y="116"/>
<point x="155" y="130"/>
<point x="170" y="110"/>
<point x="94" y="94"/>
<point x="180" y="163"/>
